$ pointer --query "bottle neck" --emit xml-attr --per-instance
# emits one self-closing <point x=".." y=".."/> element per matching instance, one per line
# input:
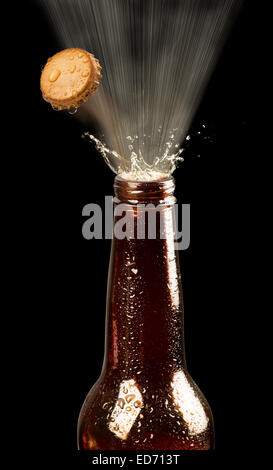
<point x="144" y="332"/>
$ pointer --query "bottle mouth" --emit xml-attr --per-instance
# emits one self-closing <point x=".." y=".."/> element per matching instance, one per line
<point x="160" y="191"/>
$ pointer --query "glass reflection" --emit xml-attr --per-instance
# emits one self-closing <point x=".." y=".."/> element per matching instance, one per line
<point x="188" y="404"/>
<point x="126" y="409"/>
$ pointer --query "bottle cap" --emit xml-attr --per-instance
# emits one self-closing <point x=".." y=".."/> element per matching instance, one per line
<point x="69" y="78"/>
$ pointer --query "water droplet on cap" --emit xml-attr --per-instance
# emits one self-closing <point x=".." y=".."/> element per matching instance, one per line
<point x="85" y="74"/>
<point x="80" y="55"/>
<point x="73" y="110"/>
<point x="54" y="75"/>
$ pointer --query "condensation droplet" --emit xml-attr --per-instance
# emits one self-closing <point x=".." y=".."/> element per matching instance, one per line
<point x="72" y="69"/>
<point x="105" y="405"/>
<point x="85" y="60"/>
<point x="137" y="404"/>
<point x="125" y="390"/>
<point x="74" y="93"/>
<point x="54" y="75"/>
<point x="128" y="408"/>
<point x="121" y="403"/>
<point x="85" y="74"/>
<point x="130" y="398"/>
<point x="80" y="55"/>
<point x="71" y="57"/>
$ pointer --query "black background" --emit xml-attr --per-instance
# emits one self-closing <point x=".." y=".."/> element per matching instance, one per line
<point x="66" y="276"/>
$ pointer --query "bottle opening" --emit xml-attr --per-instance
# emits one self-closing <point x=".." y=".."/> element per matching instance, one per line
<point x="134" y="192"/>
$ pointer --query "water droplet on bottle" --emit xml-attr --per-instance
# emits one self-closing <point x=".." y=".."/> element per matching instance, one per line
<point x="130" y="397"/>
<point x="128" y="408"/>
<point x="121" y="403"/>
<point x="137" y="404"/>
<point x="125" y="390"/>
<point x="105" y="405"/>
<point x="116" y="427"/>
<point x="54" y="75"/>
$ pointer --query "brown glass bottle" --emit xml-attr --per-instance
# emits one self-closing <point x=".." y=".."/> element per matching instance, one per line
<point x="145" y="399"/>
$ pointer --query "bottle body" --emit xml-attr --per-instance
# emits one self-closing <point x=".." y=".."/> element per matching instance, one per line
<point x="145" y="399"/>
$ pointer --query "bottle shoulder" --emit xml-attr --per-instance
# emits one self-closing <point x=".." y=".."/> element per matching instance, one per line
<point x="137" y="412"/>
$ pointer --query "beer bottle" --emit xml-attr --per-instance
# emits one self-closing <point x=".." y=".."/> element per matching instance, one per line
<point x="145" y="398"/>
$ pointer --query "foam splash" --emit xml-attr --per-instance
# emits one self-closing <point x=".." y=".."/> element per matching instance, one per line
<point x="136" y="168"/>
